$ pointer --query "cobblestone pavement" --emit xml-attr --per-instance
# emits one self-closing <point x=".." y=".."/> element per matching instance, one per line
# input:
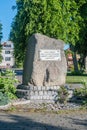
<point x="43" y="121"/>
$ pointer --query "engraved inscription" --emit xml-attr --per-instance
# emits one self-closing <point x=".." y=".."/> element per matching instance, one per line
<point x="50" y="55"/>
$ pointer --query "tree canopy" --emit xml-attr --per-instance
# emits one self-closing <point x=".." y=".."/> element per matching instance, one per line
<point x="81" y="46"/>
<point x="0" y="41"/>
<point x="0" y="32"/>
<point x="59" y="19"/>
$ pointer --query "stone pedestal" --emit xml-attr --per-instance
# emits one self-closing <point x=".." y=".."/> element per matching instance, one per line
<point x="40" y="93"/>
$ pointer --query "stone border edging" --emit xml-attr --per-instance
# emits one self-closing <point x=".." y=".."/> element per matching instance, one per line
<point x="5" y="107"/>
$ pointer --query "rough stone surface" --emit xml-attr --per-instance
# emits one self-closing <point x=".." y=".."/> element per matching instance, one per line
<point x="38" y="93"/>
<point x="44" y="73"/>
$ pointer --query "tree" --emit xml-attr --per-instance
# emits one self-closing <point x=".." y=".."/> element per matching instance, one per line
<point x="0" y="32"/>
<point x="81" y="45"/>
<point x="0" y="41"/>
<point x="55" y="18"/>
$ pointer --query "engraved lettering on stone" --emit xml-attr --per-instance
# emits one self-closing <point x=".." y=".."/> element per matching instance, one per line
<point x="47" y="55"/>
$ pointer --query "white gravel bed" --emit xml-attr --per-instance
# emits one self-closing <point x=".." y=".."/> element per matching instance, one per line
<point x="26" y="104"/>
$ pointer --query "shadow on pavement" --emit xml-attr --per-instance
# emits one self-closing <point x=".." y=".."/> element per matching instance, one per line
<point x="78" y="121"/>
<point x="16" y="122"/>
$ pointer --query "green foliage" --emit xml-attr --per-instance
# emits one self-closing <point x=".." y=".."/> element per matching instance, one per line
<point x="7" y="85"/>
<point x="19" y="64"/>
<point x="63" y="94"/>
<point x="55" y="18"/>
<point x="0" y="32"/>
<point x="76" y="73"/>
<point x="3" y="99"/>
<point x="0" y="42"/>
<point x="81" y="93"/>
<point x="0" y="53"/>
<point x="81" y="45"/>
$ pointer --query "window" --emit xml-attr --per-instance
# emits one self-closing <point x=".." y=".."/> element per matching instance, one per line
<point x="7" y="52"/>
<point x="6" y="45"/>
<point x="7" y="58"/>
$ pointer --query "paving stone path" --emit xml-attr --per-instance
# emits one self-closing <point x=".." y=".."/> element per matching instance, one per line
<point x="43" y="121"/>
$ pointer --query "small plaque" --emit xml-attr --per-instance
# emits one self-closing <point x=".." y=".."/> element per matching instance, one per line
<point x="50" y="55"/>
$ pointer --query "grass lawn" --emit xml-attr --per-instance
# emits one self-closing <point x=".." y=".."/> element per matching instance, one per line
<point x="75" y="79"/>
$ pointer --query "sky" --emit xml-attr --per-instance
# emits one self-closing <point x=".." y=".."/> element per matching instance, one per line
<point x="6" y="17"/>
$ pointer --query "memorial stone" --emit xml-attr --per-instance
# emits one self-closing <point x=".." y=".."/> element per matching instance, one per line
<point x="44" y="69"/>
<point x="45" y="62"/>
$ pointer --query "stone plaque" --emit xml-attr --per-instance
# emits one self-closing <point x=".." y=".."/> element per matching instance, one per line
<point x="50" y="55"/>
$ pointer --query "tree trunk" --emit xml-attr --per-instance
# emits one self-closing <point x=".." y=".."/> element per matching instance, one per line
<point x="86" y="64"/>
<point x="75" y="63"/>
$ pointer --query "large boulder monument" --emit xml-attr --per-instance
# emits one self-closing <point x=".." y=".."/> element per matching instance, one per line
<point x="45" y="62"/>
<point x="45" y="65"/>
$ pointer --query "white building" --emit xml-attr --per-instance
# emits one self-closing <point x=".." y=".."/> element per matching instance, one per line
<point x="7" y="54"/>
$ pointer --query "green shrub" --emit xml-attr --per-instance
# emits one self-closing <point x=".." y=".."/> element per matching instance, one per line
<point x="81" y="93"/>
<point x="7" y="85"/>
<point x="63" y="94"/>
<point x="3" y="99"/>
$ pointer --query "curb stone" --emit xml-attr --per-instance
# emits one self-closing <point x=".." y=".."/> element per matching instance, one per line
<point x="5" y="107"/>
